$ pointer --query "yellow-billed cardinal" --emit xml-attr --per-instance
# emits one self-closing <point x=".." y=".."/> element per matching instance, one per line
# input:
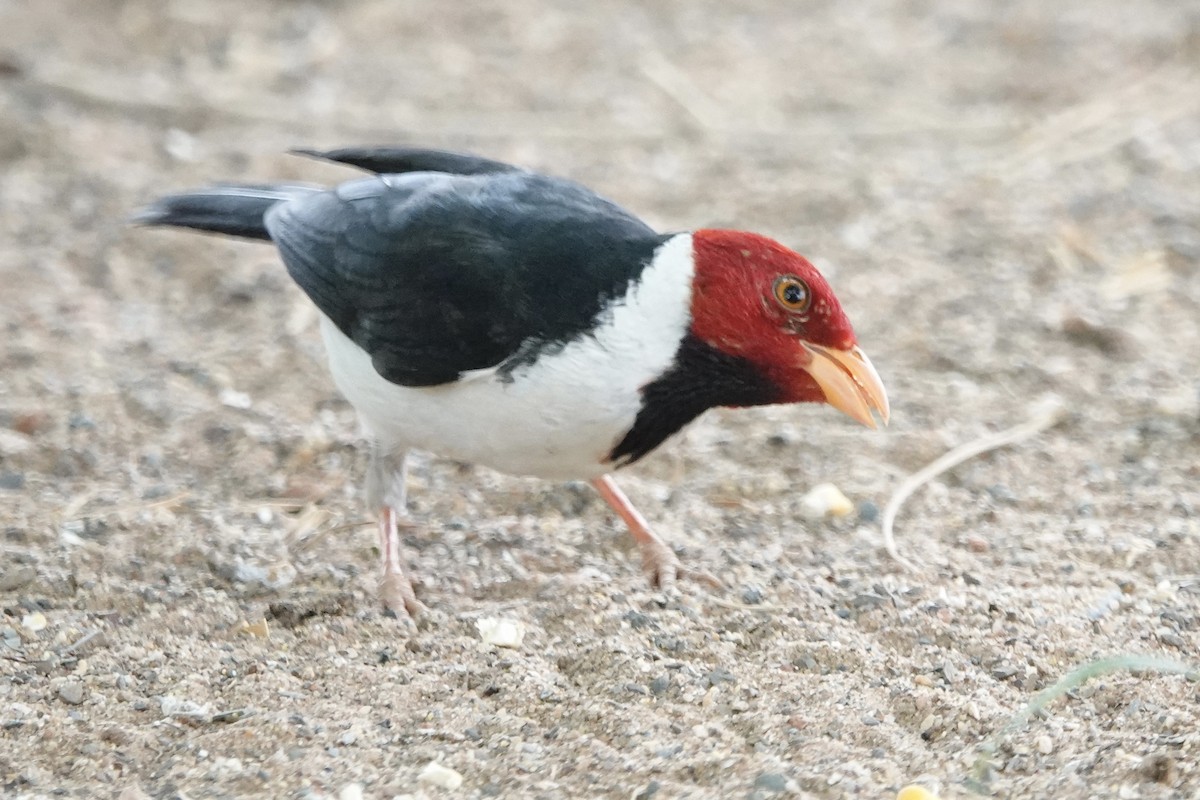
<point x="494" y="315"/>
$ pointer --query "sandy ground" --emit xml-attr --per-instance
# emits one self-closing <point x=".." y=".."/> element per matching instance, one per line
<point x="1006" y="197"/>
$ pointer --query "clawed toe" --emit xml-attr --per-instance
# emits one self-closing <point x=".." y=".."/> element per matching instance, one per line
<point x="664" y="569"/>
<point x="399" y="600"/>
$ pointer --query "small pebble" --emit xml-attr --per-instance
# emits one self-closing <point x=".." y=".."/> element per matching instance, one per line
<point x="14" y="443"/>
<point x="1172" y="639"/>
<point x="71" y="693"/>
<point x="649" y="792"/>
<point x="752" y="595"/>
<point x="1045" y="745"/>
<point x="501" y="632"/>
<point x="235" y="399"/>
<point x="719" y="675"/>
<point x="16" y="576"/>
<point x="34" y="622"/>
<point x="977" y="544"/>
<point x="824" y="501"/>
<point x="435" y="774"/>
<point x="258" y="630"/>
<point x="771" y="782"/>
<point x="915" y="792"/>
<point x="1002" y="494"/>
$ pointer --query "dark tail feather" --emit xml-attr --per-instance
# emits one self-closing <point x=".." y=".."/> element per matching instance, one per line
<point x="238" y="210"/>
<point x="392" y="160"/>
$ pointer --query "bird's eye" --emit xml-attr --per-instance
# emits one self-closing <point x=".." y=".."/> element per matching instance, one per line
<point x="793" y="294"/>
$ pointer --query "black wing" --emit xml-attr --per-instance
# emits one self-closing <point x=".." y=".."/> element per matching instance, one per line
<point x="435" y="274"/>
<point x="395" y="160"/>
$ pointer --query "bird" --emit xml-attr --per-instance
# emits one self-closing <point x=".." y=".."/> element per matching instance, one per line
<point x="495" y="315"/>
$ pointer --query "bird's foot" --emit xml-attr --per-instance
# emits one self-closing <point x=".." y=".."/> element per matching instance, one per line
<point x="664" y="569"/>
<point x="399" y="600"/>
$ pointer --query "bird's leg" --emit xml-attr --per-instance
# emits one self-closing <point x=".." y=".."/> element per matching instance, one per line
<point x="386" y="492"/>
<point x="657" y="557"/>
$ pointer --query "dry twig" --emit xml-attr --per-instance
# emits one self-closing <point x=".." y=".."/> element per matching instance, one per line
<point x="1050" y="413"/>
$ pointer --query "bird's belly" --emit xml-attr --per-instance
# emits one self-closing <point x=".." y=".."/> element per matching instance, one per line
<point x="558" y="419"/>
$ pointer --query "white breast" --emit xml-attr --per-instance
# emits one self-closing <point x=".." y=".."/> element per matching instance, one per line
<point x="556" y="418"/>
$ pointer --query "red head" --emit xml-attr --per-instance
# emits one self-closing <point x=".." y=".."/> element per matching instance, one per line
<point x="755" y="299"/>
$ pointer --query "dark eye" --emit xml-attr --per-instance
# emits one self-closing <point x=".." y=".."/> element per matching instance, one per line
<point x="792" y="293"/>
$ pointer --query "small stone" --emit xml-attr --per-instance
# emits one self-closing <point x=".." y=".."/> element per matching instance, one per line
<point x="13" y="481"/>
<point x="660" y="684"/>
<point x="1172" y="639"/>
<point x="752" y="595"/>
<point x="258" y="630"/>
<point x="1044" y="744"/>
<point x="868" y="512"/>
<point x="34" y="622"/>
<point x="501" y="632"/>
<point x="183" y="146"/>
<point x="637" y="620"/>
<point x="778" y="440"/>
<point x="71" y="693"/>
<point x="718" y="676"/>
<point x="1003" y="672"/>
<point x="651" y="789"/>
<point x="771" y="782"/>
<point x="235" y="399"/>
<point x="824" y="501"/>
<point x="1002" y="494"/>
<point x="977" y="544"/>
<point x="14" y="443"/>
<point x="16" y="576"/>
<point x="179" y="707"/>
<point x="435" y="774"/>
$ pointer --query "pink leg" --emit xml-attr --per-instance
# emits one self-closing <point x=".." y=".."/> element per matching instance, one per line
<point x="395" y="589"/>
<point x="657" y="558"/>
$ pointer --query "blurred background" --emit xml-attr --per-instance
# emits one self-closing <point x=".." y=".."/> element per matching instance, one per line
<point x="1006" y="197"/>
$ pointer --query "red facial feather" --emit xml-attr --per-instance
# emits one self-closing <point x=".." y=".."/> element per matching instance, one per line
<point x="734" y="308"/>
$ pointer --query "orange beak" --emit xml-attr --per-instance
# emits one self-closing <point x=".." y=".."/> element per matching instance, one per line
<point x="850" y="383"/>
